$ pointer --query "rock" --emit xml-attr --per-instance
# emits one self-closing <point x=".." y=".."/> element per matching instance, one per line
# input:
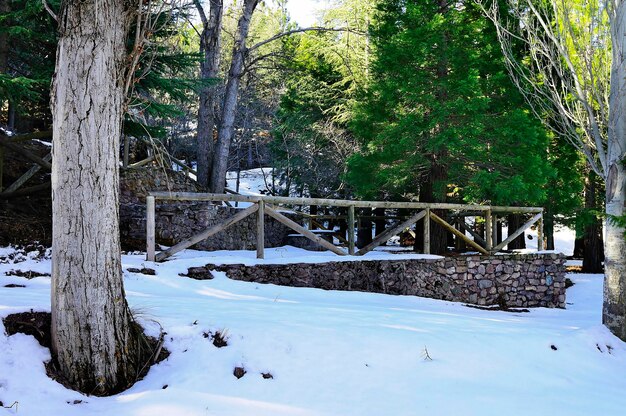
<point x="485" y="284"/>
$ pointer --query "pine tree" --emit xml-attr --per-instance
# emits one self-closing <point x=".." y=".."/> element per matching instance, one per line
<point x="441" y="119"/>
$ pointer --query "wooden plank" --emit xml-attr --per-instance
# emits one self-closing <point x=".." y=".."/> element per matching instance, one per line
<point x="351" y="245"/>
<point x="25" y="191"/>
<point x="260" y="231"/>
<point x="473" y="233"/>
<point x="488" y="230"/>
<point x="279" y="200"/>
<point x="27" y="154"/>
<point x="456" y="232"/>
<point x="324" y="228"/>
<point x="150" y="229"/>
<point x="540" y="234"/>
<point x="25" y="177"/>
<point x="391" y="232"/>
<point x="26" y="137"/>
<point x="301" y="230"/>
<point x="494" y="229"/>
<point x="516" y="210"/>
<point x="141" y="163"/>
<point x="207" y="233"/>
<point x="518" y="232"/>
<point x="426" y="232"/>
<point x="182" y="165"/>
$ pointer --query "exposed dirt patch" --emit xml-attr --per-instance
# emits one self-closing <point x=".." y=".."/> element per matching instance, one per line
<point x="36" y="324"/>
<point x="145" y="270"/>
<point x="28" y="274"/>
<point x="497" y="308"/>
<point x="220" y="339"/>
<point x="239" y="372"/>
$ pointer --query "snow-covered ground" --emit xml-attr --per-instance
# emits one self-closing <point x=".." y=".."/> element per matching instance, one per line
<point x="330" y="352"/>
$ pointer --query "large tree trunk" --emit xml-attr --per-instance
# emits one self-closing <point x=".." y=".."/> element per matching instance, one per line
<point x="229" y="105"/>
<point x="614" y="311"/>
<point x="94" y="340"/>
<point x="5" y="7"/>
<point x="210" y="45"/>
<point x="438" y="234"/>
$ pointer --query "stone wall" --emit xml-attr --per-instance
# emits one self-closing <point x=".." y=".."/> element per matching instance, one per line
<point x="507" y="280"/>
<point x="177" y="221"/>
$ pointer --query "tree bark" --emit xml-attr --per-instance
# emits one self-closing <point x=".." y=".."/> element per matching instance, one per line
<point x="614" y="309"/>
<point x="379" y="223"/>
<point x="548" y="229"/>
<point x="438" y="234"/>
<point x="5" y="7"/>
<point x="229" y="105"/>
<point x="95" y="342"/>
<point x="364" y="231"/>
<point x="514" y="222"/>
<point x="593" y="253"/>
<point x="210" y="47"/>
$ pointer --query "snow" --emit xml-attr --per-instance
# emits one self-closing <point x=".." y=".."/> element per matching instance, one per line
<point x="251" y="182"/>
<point x="330" y="352"/>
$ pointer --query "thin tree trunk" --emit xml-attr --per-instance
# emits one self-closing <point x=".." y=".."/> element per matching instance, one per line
<point x="364" y="232"/>
<point x="94" y="340"/>
<point x="614" y="310"/>
<point x="5" y="7"/>
<point x="514" y="222"/>
<point x="210" y="45"/>
<point x="548" y="230"/>
<point x="229" y="105"/>
<point x="593" y="252"/>
<point x="379" y="223"/>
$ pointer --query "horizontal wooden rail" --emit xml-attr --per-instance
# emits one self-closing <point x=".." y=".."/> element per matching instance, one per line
<point x="206" y="233"/>
<point x="268" y="205"/>
<point x="192" y="196"/>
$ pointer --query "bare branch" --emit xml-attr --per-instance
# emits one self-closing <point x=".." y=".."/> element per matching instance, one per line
<point x="49" y="10"/>
<point x="201" y="12"/>
<point x="306" y="29"/>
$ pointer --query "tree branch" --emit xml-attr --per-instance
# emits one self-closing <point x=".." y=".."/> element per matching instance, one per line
<point x="200" y="9"/>
<point x="49" y="10"/>
<point x="306" y="29"/>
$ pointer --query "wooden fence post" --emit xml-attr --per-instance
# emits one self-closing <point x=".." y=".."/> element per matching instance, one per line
<point x="150" y="228"/>
<point x="488" y="230"/>
<point x="540" y="233"/>
<point x="351" y="230"/>
<point x="260" y="231"/>
<point x="427" y="232"/>
<point x="494" y="230"/>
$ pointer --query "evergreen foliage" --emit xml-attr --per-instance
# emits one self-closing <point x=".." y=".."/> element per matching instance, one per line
<point x="439" y="87"/>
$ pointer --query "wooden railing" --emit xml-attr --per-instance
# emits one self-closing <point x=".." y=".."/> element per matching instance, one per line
<point x="268" y="205"/>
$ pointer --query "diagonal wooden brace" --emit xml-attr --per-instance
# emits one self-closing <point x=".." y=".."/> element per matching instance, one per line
<point x="308" y="234"/>
<point x="391" y="232"/>
<point x="518" y="232"/>
<point x="207" y="233"/>
<point x="456" y="232"/>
